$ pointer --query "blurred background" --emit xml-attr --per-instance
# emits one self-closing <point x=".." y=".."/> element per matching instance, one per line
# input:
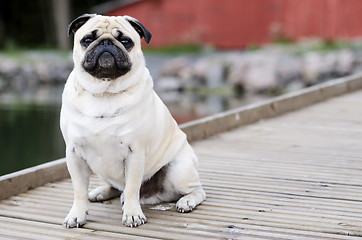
<point x="205" y="56"/>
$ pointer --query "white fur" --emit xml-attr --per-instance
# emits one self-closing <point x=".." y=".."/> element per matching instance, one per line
<point x="122" y="131"/>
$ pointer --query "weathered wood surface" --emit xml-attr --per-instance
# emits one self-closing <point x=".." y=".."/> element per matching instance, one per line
<point x="22" y="181"/>
<point x="295" y="176"/>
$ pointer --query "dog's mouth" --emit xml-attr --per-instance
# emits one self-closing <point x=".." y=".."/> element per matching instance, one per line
<point x="106" y="61"/>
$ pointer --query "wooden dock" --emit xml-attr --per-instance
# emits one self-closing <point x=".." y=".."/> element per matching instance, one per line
<point x="291" y="168"/>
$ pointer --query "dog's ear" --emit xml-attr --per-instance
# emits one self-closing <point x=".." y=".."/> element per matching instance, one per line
<point x="78" y="22"/>
<point x="140" y="28"/>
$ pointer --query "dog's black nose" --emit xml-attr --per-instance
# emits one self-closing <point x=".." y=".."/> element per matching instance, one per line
<point x="106" y="42"/>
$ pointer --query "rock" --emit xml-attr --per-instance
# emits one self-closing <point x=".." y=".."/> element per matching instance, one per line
<point x="42" y="70"/>
<point x="289" y="70"/>
<point x="328" y="65"/>
<point x="261" y="74"/>
<point x="7" y="66"/>
<point x="345" y="62"/>
<point x="174" y="67"/>
<point x="311" y="68"/>
<point x="168" y="84"/>
<point x="200" y="69"/>
<point x="215" y="75"/>
<point x="318" y="66"/>
<point x="237" y="69"/>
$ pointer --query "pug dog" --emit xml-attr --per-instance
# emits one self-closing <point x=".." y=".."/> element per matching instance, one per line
<point x="117" y="127"/>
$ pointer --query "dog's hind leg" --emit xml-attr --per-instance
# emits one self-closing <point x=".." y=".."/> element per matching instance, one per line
<point x="103" y="193"/>
<point x="153" y="188"/>
<point x="185" y="179"/>
<point x="189" y="202"/>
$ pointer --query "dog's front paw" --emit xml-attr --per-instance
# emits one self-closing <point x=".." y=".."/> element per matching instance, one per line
<point x="75" y="218"/>
<point x="134" y="220"/>
<point x="133" y="217"/>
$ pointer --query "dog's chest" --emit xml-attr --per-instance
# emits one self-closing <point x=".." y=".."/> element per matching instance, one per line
<point x="105" y="154"/>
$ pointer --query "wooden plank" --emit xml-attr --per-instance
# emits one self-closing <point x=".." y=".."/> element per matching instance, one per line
<point x="213" y="218"/>
<point x="11" y="228"/>
<point x="22" y="181"/>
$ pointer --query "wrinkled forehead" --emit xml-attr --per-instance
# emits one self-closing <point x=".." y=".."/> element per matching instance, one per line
<point x="111" y="25"/>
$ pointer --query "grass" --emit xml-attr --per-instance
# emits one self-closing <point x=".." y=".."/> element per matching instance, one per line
<point x="22" y="54"/>
<point x="174" y="49"/>
<point x="329" y="45"/>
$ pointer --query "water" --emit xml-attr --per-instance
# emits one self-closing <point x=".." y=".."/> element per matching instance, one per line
<point x="30" y="135"/>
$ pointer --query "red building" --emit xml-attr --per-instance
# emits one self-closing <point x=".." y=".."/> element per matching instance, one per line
<point x="239" y="23"/>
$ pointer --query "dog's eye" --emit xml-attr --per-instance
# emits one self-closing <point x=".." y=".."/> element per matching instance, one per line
<point x="127" y="43"/>
<point x="87" y="40"/>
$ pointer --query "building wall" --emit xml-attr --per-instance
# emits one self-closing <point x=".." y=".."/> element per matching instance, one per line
<point x="239" y="23"/>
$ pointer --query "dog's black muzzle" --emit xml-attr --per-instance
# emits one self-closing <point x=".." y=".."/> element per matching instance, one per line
<point x="106" y="61"/>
